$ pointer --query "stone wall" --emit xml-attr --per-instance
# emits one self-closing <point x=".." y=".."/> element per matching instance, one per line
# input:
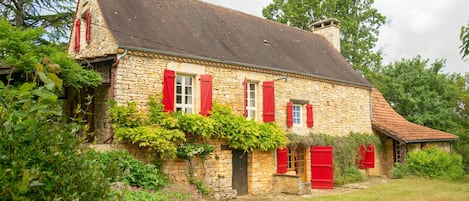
<point x="101" y="44"/>
<point x="338" y="110"/>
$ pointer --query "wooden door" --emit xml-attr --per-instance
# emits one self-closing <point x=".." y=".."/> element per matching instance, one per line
<point x="322" y="171"/>
<point x="240" y="172"/>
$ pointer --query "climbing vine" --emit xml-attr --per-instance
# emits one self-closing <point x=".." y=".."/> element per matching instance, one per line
<point x="345" y="149"/>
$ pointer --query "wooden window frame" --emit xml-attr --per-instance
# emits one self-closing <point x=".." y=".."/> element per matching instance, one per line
<point x="183" y="105"/>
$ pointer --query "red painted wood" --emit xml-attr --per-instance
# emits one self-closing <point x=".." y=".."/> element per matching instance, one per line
<point x="370" y="156"/>
<point x="269" y="101"/>
<point x="289" y="114"/>
<point x="245" y="113"/>
<point x="322" y="168"/>
<point x="88" y="24"/>
<point x="282" y="160"/>
<point x="77" y="35"/>
<point x="168" y="90"/>
<point x="205" y="94"/>
<point x="309" y="116"/>
<point x="361" y="154"/>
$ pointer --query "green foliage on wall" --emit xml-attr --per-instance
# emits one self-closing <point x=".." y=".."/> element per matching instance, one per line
<point x="346" y="152"/>
<point x="165" y="132"/>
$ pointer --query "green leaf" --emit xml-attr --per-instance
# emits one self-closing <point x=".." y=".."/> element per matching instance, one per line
<point x="43" y="93"/>
<point x="55" y="79"/>
<point x="26" y="87"/>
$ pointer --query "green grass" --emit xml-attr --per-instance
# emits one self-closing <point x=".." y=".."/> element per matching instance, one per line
<point x="416" y="189"/>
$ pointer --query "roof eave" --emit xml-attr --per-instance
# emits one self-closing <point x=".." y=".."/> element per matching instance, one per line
<point x="188" y="56"/>
<point x="395" y="137"/>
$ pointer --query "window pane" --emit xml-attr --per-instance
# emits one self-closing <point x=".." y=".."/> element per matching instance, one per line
<point x="188" y="80"/>
<point x="252" y="87"/>
<point x="189" y="90"/>
<point x="252" y="102"/>
<point x="188" y="110"/>
<point x="188" y="100"/>
<point x="178" y="99"/>
<point x="178" y="80"/>
<point x="178" y="90"/>
<point x="252" y="114"/>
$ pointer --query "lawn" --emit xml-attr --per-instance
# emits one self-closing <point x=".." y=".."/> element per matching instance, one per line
<point x="416" y="189"/>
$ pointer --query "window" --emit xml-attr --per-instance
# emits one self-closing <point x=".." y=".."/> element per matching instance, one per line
<point x="296" y="115"/>
<point x="297" y="162"/>
<point x="184" y="93"/>
<point x="251" y="100"/>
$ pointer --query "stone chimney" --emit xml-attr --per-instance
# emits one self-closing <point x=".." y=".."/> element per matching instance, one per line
<point x="330" y="29"/>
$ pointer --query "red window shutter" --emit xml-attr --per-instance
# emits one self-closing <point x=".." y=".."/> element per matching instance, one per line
<point x="245" y="113"/>
<point x="205" y="94"/>
<point x="88" y="24"/>
<point x="269" y="101"/>
<point x="168" y="90"/>
<point x="361" y="154"/>
<point x="370" y="156"/>
<point x="309" y="116"/>
<point x="289" y="114"/>
<point x="77" y="36"/>
<point x="282" y="160"/>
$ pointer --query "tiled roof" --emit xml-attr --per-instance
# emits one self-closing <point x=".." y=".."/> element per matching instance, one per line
<point x="204" y="31"/>
<point x="387" y="121"/>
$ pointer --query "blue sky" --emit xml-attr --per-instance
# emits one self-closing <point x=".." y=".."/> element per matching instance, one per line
<point x="429" y="28"/>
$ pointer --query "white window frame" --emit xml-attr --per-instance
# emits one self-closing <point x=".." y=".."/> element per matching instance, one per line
<point x="183" y="105"/>
<point x="297" y="115"/>
<point x="251" y="96"/>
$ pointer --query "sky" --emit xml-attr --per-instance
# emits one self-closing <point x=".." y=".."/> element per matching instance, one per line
<point x="429" y="28"/>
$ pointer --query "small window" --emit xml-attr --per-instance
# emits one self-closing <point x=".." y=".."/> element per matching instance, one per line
<point x="251" y="100"/>
<point x="184" y="93"/>
<point x="296" y="115"/>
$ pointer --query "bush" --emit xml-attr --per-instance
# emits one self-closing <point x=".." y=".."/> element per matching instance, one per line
<point x="123" y="167"/>
<point x="431" y="163"/>
<point x="350" y="175"/>
<point x="40" y="156"/>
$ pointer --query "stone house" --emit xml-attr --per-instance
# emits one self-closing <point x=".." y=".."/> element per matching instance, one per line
<point x="402" y="136"/>
<point x="192" y="53"/>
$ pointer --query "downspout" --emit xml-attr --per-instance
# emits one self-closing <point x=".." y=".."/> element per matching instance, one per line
<point x="121" y="53"/>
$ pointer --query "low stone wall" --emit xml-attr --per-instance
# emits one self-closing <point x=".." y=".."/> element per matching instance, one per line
<point x="290" y="184"/>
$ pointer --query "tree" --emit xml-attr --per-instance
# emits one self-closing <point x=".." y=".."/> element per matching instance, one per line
<point x="22" y="50"/>
<point x="418" y="91"/>
<point x="359" y="25"/>
<point x="464" y="37"/>
<point x="55" y="16"/>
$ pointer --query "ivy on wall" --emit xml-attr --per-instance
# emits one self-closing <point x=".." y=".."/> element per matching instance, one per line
<point x="346" y="152"/>
<point x="164" y="132"/>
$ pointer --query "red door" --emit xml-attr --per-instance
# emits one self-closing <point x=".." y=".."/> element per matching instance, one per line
<point x="322" y="171"/>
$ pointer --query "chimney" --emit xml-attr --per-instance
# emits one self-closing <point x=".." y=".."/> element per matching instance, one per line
<point x="330" y="29"/>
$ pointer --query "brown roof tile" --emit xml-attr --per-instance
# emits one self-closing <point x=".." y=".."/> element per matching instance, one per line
<point x="195" y="28"/>
<point x="386" y="120"/>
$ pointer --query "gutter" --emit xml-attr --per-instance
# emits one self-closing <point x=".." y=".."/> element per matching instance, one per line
<point x="140" y="49"/>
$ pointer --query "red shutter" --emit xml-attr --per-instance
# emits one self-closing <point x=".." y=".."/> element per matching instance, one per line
<point x="88" y="24"/>
<point x="245" y="113"/>
<point x="361" y="154"/>
<point x="370" y="156"/>
<point x="282" y="160"/>
<point x="168" y="90"/>
<point x="309" y="116"/>
<point x="205" y="94"/>
<point x="77" y="36"/>
<point x="289" y="114"/>
<point x="269" y="101"/>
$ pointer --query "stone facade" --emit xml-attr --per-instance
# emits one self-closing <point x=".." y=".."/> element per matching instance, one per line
<point x="101" y="43"/>
<point x="338" y="110"/>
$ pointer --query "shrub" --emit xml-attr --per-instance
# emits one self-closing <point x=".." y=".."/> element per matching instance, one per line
<point x="123" y="167"/>
<point x="349" y="175"/>
<point x="40" y="156"/>
<point x="432" y="163"/>
<point x="174" y="193"/>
